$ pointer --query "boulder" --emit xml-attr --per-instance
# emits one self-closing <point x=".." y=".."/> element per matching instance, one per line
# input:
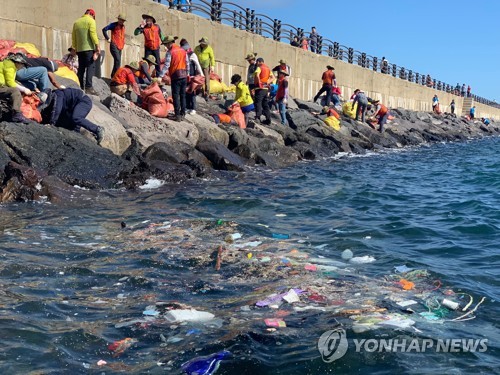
<point x="170" y="172"/>
<point x="101" y="87"/>
<point x="116" y="138"/>
<point x="301" y="120"/>
<point x="208" y="130"/>
<point x="270" y="133"/>
<point x="308" y="106"/>
<point x="221" y="157"/>
<point x="175" y="153"/>
<point x="149" y="129"/>
<point x="22" y="184"/>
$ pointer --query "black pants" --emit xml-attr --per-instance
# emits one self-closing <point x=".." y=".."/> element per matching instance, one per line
<point x="86" y="68"/>
<point x="80" y="113"/>
<point x="262" y="104"/>
<point x="117" y="58"/>
<point x="156" y="54"/>
<point x="179" y="96"/>
<point x="328" y="88"/>
<point x="191" y="100"/>
<point x="362" y="109"/>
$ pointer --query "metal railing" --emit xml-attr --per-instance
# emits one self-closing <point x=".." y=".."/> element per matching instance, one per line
<point x="247" y="19"/>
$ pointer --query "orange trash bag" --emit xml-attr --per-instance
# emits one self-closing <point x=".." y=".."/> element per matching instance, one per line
<point x="195" y="83"/>
<point x="215" y="77"/>
<point x="29" y="108"/>
<point x="237" y="115"/>
<point x="153" y="101"/>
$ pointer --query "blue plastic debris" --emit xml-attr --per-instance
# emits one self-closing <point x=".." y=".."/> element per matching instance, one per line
<point x="205" y="365"/>
<point x="280" y="236"/>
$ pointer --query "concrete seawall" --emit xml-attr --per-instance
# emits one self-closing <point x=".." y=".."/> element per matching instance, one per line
<point x="48" y="25"/>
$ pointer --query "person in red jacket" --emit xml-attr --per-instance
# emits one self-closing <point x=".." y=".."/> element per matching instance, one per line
<point x="117" y="40"/>
<point x="152" y="38"/>
<point x="123" y="82"/>
<point x="176" y="63"/>
<point x="329" y="82"/>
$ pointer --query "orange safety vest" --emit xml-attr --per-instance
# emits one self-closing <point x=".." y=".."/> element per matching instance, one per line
<point x="118" y="36"/>
<point x="263" y="78"/>
<point x="152" y="37"/>
<point x="140" y="73"/>
<point x="382" y="111"/>
<point x="178" y="61"/>
<point x="124" y="76"/>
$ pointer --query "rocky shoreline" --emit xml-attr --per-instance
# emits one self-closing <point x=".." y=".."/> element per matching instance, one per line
<point x="45" y="161"/>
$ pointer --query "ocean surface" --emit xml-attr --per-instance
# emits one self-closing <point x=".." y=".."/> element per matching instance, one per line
<point x="70" y="273"/>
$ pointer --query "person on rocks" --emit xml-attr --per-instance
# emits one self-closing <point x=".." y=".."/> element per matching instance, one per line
<point x="243" y="97"/>
<point x="486" y="121"/>
<point x="152" y="38"/>
<point x="262" y="76"/>
<point x="10" y="92"/>
<point x="382" y="113"/>
<point x="362" y="101"/>
<point x="69" y="108"/>
<point x="206" y="58"/>
<point x="86" y="43"/>
<point x="435" y="103"/>
<point x="282" y="66"/>
<point x="33" y="78"/>
<point x="252" y="67"/>
<point x="48" y="64"/>
<point x="282" y="95"/>
<point x="144" y="74"/>
<point x="117" y="40"/>
<point x="194" y="69"/>
<point x="472" y="112"/>
<point x="452" y="106"/>
<point x="176" y="63"/>
<point x="124" y="81"/>
<point x="329" y="81"/>
<point x="71" y="59"/>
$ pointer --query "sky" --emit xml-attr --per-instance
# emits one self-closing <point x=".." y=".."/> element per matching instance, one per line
<point x="455" y="41"/>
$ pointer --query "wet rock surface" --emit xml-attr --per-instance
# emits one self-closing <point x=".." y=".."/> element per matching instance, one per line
<point x="138" y="146"/>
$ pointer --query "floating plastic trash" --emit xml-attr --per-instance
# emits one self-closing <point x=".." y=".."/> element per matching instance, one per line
<point x="280" y="236"/>
<point x="429" y="315"/>
<point x="450" y="304"/>
<point x="347" y="254"/>
<point x="406" y="285"/>
<point x="406" y="303"/>
<point x="119" y="347"/>
<point x="275" y="322"/>
<point x="205" y="365"/>
<point x="280" y="215"/>
<point x="291" y="296"/>
<point x="403" y="269"/>
<point x="363" y="260"/>
<point x="191" y="315"/>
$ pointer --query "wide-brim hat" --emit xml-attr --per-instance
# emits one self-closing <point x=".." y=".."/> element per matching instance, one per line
<point x="151" y="59"/>
<point x="122" y="16"/>
<point x="134" y="65"/>
<point x="283" y="72"/>
<point x="169" y="39"/>
<point x="148" y="15"/>
<point x="203" y="40"/>
<point x="251" y="56"/>
<point x="329" y="67"/>
<point x="282" y="61"/>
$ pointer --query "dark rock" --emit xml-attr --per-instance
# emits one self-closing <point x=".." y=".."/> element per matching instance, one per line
<point x="170" y="172"/>
<point x="23" y="184"/>
<point x="221" y="157"/>
<point x="308" y="106"/>
<point x="301" y="120"/>
<point x="102" y="88"/>
<point x="175" y="153"/>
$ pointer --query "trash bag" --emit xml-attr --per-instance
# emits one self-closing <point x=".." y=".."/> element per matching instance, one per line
<point x="195" y="83"/>
<point x="348" y="110"/>
<point x="29" y="48"/>
<point x="66" y="72"/>
<point x="237" y="115"/>
<point x="29" y="108"/>
<point x="333" y="122"/>
<point x="215" y="77"/>
<point x="152" y="97"/>
<point x="205" y="365"/>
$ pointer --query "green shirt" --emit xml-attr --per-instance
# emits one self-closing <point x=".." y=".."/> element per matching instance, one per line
<point x="84" y="36"/>
<point x="205" y="56"/>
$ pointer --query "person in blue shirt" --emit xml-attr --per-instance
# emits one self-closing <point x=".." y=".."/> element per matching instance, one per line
<point x="472" y="112"/>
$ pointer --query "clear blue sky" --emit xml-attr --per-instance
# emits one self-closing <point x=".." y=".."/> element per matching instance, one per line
<point x="453" y="41"/>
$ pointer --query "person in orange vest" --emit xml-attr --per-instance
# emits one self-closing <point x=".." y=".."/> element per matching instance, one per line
<point x="123" y="82"/>
<point x="152" y="38"/>
<point x="329" y="82"/>
<point x="143" y="75"/>
<point x="262" y="77"/>
<point x="117" y="40"/>
<point x="382" y="112"/>
<point x="176" y="63"/>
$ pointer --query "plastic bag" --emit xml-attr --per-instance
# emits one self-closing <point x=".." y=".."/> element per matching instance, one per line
<point x="205" y="365"/>
<point x="348" y="110"/>
<point x="30" y="49"/>
<point x="237" y="115"/>
<point x="29" y="108"/>
<point x="333" y="122"/>
<point x="195" y="83"/>
<point x="66" y="72"/>
<point x="153" y="100"/>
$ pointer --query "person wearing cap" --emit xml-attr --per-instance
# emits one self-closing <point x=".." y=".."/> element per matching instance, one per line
<point x="194" y="69"/>
<point x="242" y="96"/>
<point x="48" y="64"/>
<point x="282" y="66"/>
<point x="10" y="91"/>
<point x="176" y="64"/>
<point x="362" y="101"/>
<point x="71" y="59"/>
<point x="152" y="38"/>
<point x="382" y="113"/>
<point x="262" y="77"/>
<point x="85" y="41"/>
<point x="329" y="81"/>
<point x="69" y="108"/>
<point x="251" y="58"/>
<point x="206" y="58"/>
<point x="33" y="78"/>
<point x="143" y="75"/>
<point x="123" y="82"/>
<point x="282" y="94"/>
<point x="117" y="40"/>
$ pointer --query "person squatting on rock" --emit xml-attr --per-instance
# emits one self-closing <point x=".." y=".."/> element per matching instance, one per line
<point x="282" y="95"/>
<point x="10" y="92"/>
<point x="69" y="108"/>
<point x="329" y="81"/>
<point x="194" y="69"/>
<point x="362" y="101"/>
<point x="243" y="97"/>
<point x="152" y="38"/>
<point x="144" y="74"/>
<point x="262" y="77"/>
<point x="48" y="64"/>
<point x="117" y="40"/>
<point x="71" y="59"/>
<point x="35" y="79"/>
<point x="176" y="63"/>
<point x="86" y="43"/>
<point x="206" y="58"/>
<point x="124" y="81"/>
<point x="382" y="113"/>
